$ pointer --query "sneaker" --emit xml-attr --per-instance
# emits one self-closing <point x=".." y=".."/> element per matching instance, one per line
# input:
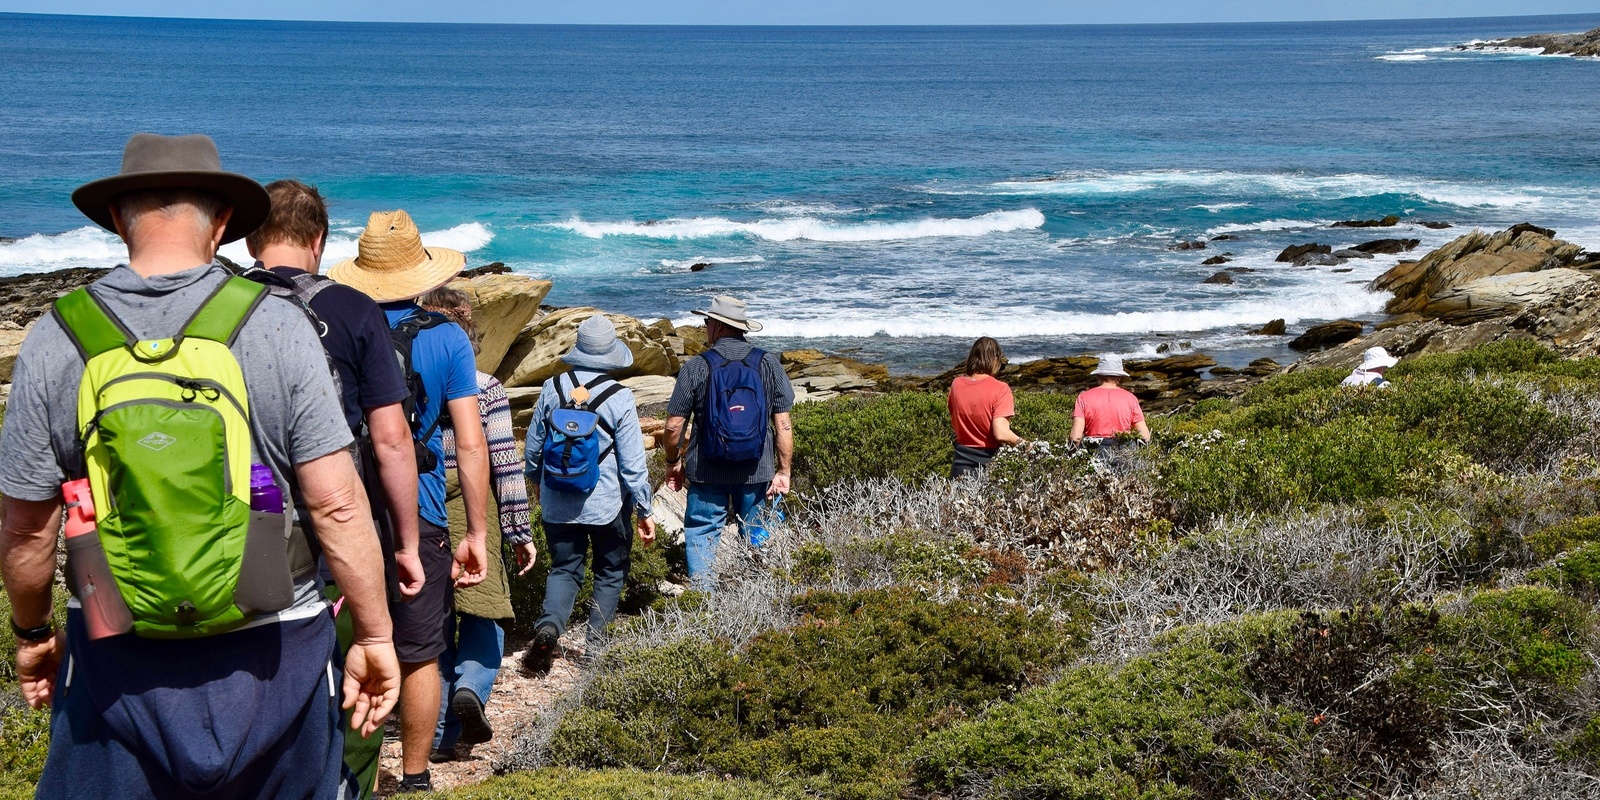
<point x="474" y="725"/>
<point x="413" y="784"/>
<point x="543" y="650"/>
<point x="442" y="755"/>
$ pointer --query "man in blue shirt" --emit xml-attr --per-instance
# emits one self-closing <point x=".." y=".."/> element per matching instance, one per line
<point x="394" y="269"/>
<point x="573" y="523"/>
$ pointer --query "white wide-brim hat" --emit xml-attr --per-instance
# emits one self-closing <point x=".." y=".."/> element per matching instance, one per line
<point x="598" y="347"/>
<point x="392" y="264"/>
<point x="1111" y="365"/>
<point x="731" y="311"/>
<point x="1377" y="358"/>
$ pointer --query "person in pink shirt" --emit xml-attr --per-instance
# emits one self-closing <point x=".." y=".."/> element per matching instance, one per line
<point x="1107" y="410"/>
<point x="981" y="408"/>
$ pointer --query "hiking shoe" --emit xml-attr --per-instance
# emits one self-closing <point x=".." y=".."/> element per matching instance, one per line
<point x="474" y="725"/>
<point x="442" y="755"/>
<point x="543" y="650"/>
<point x="414" y="784"/>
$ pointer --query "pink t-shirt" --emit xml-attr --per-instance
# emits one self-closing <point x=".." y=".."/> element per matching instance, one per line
<point x="1107" y="411"/>
<point x="975" y="401"/>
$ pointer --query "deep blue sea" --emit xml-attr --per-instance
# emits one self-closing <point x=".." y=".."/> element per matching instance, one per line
<point x="887" y="192"/>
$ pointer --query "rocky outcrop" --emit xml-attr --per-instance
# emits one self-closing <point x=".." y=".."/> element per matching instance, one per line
<point x="1387" y="222"/>
<point x="1276" y="327"/>
<point x="1215" y="260"/>
<point x="1293" y="252"/>
<point x="1477" y="255"/>
<point x="1223" y="278"/>
<point x="1198" y="244"/>
<point x="11" y="338"/>
<point x="1328" y="334"/>
<point x="25" y="298"/>
<point x="819" y="376"/>
<point x="536" y="354"/>
<point x="1501" y="294"/>
<point x="502" y="305"/>
<point x="1387" y="246"/>
<point x="1550" y="44"/>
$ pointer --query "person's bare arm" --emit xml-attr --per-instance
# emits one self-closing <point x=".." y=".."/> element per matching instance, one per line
<point x="783" y="454"/>
<point x="1000" y="427"/>
<point x="1077" y="430"/>
<point x="27" y="567"/>
<point x="339" y="514"/>
<point x="472" y="467"/>
<point x="1143" y="429"/>
<point x="672" y="450"/>
<point x="397" y="470"/>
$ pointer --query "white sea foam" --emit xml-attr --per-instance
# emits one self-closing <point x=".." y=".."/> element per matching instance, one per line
<point x="686" y="263"/>
<point x="1216" y="207"/>
<point x="93" y="247"/>
<point x="1315" y="303"/>
<point x="811" y="229"/>
<point x="1227" y="185"/>
<point x="1268" y="225"/>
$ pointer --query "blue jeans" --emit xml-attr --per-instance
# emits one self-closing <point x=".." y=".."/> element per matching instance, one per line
<point x="568" y="543"/>
<point x="471" y="660"/>
<point x="711" y="507"/>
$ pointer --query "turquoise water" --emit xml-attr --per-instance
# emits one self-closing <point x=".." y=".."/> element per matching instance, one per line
<point x="891" y="192"/>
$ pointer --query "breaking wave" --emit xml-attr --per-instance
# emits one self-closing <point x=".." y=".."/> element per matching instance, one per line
<point x="811" y="229"/>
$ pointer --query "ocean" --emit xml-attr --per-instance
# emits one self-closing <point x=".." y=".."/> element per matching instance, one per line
<point x="889" y="193"/>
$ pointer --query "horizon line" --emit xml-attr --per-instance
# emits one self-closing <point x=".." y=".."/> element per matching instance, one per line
<point x="177" y="18"/>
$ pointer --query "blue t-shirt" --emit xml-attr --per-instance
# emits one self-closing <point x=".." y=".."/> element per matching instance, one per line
<point x="442" y="355"/>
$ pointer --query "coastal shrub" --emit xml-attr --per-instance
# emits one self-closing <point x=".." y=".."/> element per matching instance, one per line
<point x="832" y="703"/>
<point x="24" y="743"/>
<point x="1345" y="460"/>
<point x="616" y="784"/>
<point x="1515" y="356"/>
<point x="1561" y="537"/>
<point x="904" y="435"/>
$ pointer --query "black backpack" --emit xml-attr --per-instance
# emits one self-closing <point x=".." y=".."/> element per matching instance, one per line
<point x="405" y="335"/>
<point x="300" y="290"/>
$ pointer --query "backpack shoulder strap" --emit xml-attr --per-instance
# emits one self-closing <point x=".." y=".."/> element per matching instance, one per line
<point x="754" y="357"/>
<point x="713" y="358"/>
<point x="221" y="316"/>
<point x="91" y="327"/>
<point x="308" y="286"/>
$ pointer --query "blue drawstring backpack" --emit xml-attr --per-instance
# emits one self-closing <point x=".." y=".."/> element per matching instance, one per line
<point x="735" y="414"/>
<point x="572" y="450"/>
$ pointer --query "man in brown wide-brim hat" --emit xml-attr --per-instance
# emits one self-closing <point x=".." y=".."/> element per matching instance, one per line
<point x="394" y="267"/>
<point x="254" y="709"/>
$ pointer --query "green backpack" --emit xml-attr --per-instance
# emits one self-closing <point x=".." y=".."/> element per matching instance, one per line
<point x="165" y="430"/>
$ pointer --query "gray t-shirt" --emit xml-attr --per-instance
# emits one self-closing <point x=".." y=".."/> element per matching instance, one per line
<point x="689" y="396"/>
<point x="294" y="411"/>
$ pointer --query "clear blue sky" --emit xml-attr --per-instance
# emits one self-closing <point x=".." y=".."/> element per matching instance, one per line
<point x="820" y="12"/>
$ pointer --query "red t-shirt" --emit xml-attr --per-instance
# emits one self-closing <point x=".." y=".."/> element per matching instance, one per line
<point x="1107" y="411"/>
<point x="975" y="401"/>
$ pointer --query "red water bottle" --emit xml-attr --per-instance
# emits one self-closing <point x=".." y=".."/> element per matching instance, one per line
<point x="105" y="613"/>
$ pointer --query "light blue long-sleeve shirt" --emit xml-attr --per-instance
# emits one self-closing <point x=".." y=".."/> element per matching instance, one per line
<point x="623" y="472"/>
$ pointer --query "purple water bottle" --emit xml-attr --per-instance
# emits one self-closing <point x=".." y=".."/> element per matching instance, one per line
<point x="264" y="492"/>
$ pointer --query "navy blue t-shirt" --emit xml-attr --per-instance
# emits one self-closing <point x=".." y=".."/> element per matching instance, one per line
<point x="358" y="341"/>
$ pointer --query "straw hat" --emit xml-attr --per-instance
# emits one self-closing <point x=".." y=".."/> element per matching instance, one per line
<point x="392" y="263"/>
<point x="731" y="311"/>
<point x="1377" y="358"/>
<point x="1110" y="364"/>
<point x="598" y="347"/>
<point x="152" y="161"/>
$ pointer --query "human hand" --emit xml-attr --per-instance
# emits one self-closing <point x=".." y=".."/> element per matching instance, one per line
<point x="778" y="486"/>
<point x="371" y="684"/>
<point x="473" y="560"/>
<point x="647" y="531"/>
<point x="527" y="554"/>
<point x="408" y="567"/>
<point x="675" y="480"/>
<point x="37" y="664"/>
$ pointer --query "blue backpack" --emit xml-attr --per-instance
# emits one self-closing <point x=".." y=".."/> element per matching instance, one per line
<point x="736" y="412"/>
<point x="572" y="453"/>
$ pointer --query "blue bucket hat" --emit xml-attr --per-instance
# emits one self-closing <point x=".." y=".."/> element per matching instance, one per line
<point x="598" y="347"/>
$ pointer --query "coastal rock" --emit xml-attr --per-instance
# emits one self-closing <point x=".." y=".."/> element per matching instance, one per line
<point x="1349" y="254"/>
<point x="693" y="338"/>
<point x="650" y="390"/>
<point x="1276" y="327"/>
<point x="536" y="353"/>
<point x="491" y="268"/>
<point x="1500" y="294"/>
<point x="1293" y="252"/>
<point x="1222" y="278"/>
<point x="502" y="305"/>
<point x="1318" y="260"/>
<point x="1215" y="260"/>
<point x="1550" y="44"/>
<point x="25" y="298"/>
<point x="1387" y="246"/>
<point x="1225" y="237"/>
<point x="1521" y="248"/>
<point x="10" y="345"/>
<point x="1195" y="245"/>
<point x="1435" y="226"/>
<point x="1328" y="334"/>
<point x="1387" y="222"/>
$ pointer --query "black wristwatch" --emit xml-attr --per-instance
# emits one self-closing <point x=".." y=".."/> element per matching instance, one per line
<point x="38" y="634"/>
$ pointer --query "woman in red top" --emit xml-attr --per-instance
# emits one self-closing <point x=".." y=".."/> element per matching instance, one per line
<point x="980" y="409"/>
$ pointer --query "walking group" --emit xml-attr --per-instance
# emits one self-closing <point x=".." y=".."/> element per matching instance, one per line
<point x="255" y="471"/>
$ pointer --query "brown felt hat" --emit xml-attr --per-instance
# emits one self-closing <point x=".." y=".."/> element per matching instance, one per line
<point x="391" y="263"/>
<point x="153" y="161"/>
